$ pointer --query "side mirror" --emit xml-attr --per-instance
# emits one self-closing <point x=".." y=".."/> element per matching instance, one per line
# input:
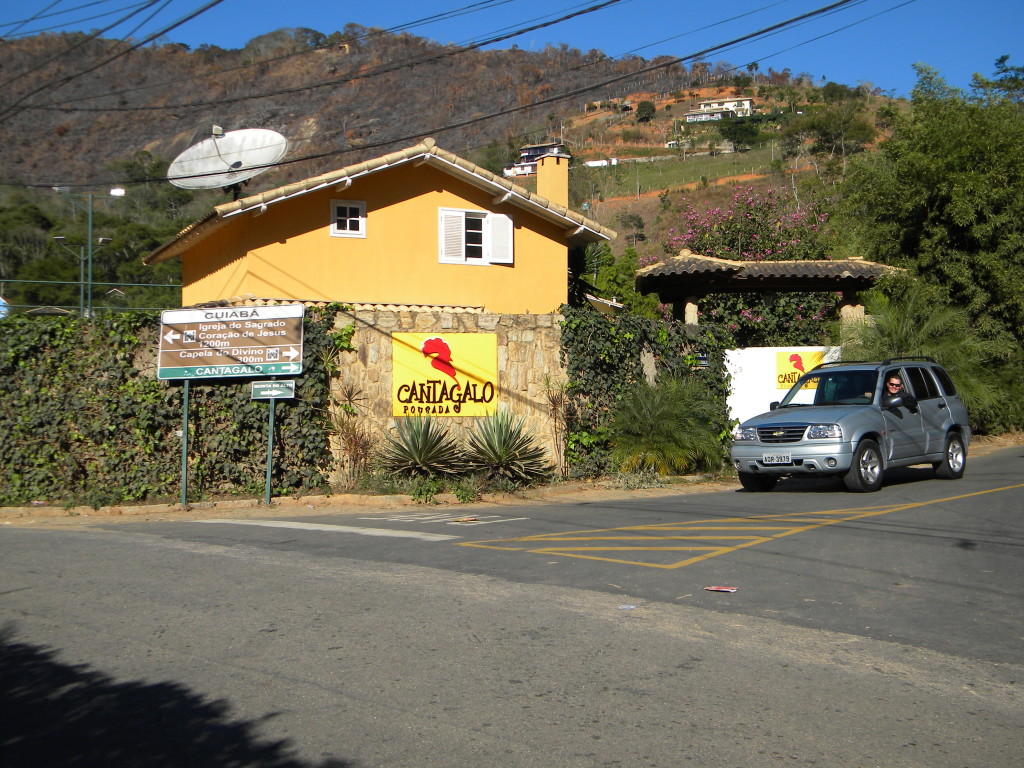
<point x="908" y="401"/>
<point x="773" y="405"/>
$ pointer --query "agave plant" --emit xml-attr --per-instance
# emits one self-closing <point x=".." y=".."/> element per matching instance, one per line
<point x="501" y="448"/>
<point x="422" y="448"/>
<point x="666" y="428"/>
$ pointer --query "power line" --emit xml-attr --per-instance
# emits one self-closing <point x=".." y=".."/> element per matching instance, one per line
<point x="407" y="64"/>
<point x="696" y="56"/>
<point x="145" y="41"/>
<point x="444" y="15"/>
<point x="39" y="14"/>
<point x="78" y="44"/>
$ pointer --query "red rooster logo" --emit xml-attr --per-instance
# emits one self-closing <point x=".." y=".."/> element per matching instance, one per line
<point x="443" y="356"/>
<point x="797" y="362"/>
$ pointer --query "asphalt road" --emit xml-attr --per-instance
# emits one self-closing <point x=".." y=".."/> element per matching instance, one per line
<point x="865" y="630"/>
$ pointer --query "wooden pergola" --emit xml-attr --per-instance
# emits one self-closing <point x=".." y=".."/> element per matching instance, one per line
<point x="683" y="280"/>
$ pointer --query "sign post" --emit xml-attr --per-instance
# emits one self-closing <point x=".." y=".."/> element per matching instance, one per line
<point x="273" y="391"/>
<point x="221" y="342"/>
<point x="184" y="447"/>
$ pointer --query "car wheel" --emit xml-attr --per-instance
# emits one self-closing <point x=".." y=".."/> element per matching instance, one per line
<point x="866" y="472"/>
<point x="757" y="483"/>
<point x="954" y="459"/>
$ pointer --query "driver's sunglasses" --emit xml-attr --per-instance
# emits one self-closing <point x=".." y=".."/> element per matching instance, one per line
<point x="893" y="384"/>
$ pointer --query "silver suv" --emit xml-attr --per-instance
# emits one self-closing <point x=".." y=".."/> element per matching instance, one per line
<point x="846" y="419"/>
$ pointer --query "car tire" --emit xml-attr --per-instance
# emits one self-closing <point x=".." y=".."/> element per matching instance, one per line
<point x="757" y="483"/>
<point x="866" y="471"/>
<point x="954" y="458"/>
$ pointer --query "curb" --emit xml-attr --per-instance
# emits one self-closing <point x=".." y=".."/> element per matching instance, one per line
<point x="291" y="504"/>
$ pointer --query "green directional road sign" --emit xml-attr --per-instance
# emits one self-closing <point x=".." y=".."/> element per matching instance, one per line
<point x="273" y="390"/>
<point x="231" y="341"/>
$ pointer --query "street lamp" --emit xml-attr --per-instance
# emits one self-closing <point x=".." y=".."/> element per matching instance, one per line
<point x="82" y="259"/>
<point x="116" y="192"/>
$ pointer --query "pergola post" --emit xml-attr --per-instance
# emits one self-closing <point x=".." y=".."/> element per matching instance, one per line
<point x="690" y="310"/>
<point x="685" y="310"/>
<point x="851" y="317"/>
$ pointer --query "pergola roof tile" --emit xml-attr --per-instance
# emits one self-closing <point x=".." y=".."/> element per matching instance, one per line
<point x="691" y="275"/>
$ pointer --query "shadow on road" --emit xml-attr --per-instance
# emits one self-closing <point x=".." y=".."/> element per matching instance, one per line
<point x="54" y="714"/>
<point x="831" y="484"/>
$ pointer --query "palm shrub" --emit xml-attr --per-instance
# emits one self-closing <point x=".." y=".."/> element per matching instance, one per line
<point x="667" y="428"/>
<point x="421" y="448"/>
<point x="501" y="448"/>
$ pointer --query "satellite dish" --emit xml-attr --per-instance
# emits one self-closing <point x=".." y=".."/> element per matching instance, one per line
<point x="227" y="159"/>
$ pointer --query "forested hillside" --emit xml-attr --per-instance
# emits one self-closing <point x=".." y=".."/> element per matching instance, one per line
<point x="338" y="97"/>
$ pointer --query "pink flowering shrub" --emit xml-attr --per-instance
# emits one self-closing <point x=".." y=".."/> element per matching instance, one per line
<point x="761" y="226"/>
<point x="758" y="226"/>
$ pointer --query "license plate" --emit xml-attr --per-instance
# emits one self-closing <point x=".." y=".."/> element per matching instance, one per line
<point x="777" y="458"/>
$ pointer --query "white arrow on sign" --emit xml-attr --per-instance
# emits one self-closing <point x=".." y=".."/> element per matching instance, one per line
<point x="171" y="336"/>
<point x="290" y="367"/>
<point x="292" y="353"/>
<point x="274" y="392"/>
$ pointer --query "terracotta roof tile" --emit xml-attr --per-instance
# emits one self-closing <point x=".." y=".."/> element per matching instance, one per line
<point x="426" y="151"/>
<point x="690" y="274"/>
<point x="253" y="301"/>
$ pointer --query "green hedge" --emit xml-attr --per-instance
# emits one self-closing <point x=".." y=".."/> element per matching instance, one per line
<point x="83" y="418"/>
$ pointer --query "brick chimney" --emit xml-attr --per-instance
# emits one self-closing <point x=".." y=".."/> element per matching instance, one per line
<point x="553" y="178"/>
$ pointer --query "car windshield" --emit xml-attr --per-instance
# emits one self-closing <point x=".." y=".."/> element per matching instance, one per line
<point x="833" y="388"/>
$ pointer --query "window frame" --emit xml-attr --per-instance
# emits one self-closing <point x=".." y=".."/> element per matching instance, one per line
<point x="946" y="384"/>
<point x="497" y="246"/>
<point x="360" y="206"/>
<point x="920" y="378"/>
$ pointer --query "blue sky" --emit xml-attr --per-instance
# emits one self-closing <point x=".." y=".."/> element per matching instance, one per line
<point x="875" y="41"/>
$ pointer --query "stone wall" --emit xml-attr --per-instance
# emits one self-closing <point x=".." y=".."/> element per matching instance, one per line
<point x="530" y="373"/>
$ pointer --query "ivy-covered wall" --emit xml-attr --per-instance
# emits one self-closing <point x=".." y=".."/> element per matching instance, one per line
<point x="605" y="355"/>
<point x="83" y="418"/>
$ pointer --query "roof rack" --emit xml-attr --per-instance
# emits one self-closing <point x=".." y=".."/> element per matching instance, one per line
<point x="887" y="361"/>
<point x="844" y="362"/>
<point x="925" y="358"/>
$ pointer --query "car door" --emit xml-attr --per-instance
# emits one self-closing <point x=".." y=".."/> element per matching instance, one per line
<point x="934" y="412"/>
<point x="904" y="429"/>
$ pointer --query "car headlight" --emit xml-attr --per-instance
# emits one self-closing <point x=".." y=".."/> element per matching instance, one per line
<point x="824" y="431"/>
<point x="744" y="433"/>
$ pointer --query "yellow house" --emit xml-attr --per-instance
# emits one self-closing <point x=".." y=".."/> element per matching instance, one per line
<point x="419" y="227"/>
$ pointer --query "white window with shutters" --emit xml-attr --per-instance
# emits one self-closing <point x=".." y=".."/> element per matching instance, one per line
<point x="474" y="237"/>
<point x="348" y="218"/>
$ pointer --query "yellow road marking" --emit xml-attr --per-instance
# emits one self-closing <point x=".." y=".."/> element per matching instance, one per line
<point x="708" y="543"/>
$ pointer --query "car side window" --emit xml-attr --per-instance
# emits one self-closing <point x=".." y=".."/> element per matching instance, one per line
<point x="945" y="382"/>
<point x="922" y="384"/>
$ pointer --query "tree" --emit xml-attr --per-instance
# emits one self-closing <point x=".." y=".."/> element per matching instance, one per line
<point x="645" y="111"/>
<point x="942" y="198"/>
<point x="828" y="137"/>
<point x="616" y="280"/>
<point x="741" y="132"/>
<point x="1008" y="82"/>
